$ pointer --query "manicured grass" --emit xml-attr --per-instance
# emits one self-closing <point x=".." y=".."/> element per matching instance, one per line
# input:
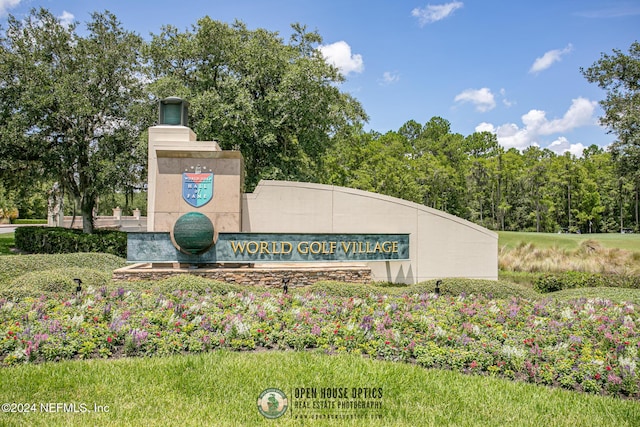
<point x="221" y="388"/>
<point x="512" y="239"/>
<point x="30" y="221"/>
<point x="7" y="241"/>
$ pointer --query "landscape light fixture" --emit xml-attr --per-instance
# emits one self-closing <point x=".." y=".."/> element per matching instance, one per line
<point x="438" y="283"/>
<point x="79" y="285"/>
<point x="285" y="286"/>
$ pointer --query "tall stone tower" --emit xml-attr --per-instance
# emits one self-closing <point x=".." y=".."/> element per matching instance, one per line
<point x="192" y="177"/>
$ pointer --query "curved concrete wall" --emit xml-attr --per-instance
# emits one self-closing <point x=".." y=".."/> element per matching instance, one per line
<point x="441" y="245"/>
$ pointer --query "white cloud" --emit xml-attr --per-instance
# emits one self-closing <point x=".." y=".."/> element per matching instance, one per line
<point x="389" y="77"/>
<point x="510" y="135"/>
<point x="5" y="5"/>
<point x="507" y="103"/>
<point x="432" y="13"/>
<point x="339" y="54"/>
<point x="483" y="99"/>
<point x="66" y="18"/>
<point x="562" y="145"/>
<point x="549" y="58"/>
<point x="579" y="114"/>
<point x="485" y="127"/>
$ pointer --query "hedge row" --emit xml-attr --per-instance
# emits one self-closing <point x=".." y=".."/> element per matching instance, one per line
<point x="573" y="279"/>
<point x="56" y="240"/>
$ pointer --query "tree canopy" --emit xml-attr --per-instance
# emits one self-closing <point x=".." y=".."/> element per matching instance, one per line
<point x="619" y="75"/>
<point x="476" y="179"/>
<point x="276" y="102"/>
<point x="67" y="102"/>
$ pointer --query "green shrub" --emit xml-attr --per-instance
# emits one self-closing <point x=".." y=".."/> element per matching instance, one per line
<point x="13" y="266"/>
<point x="522" y="277"/>
<point x="55" y="281"/>
<point x="573" y="279"/>
<point x="56" y="240"/>
<point x="567" y="280"/>
<point x="548" y="283"/>
<point x="191" y="282"/>
<point x="490" y="288"/>
<point x="342" y="289"/>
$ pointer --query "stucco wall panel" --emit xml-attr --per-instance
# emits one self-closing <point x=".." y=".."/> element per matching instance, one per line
<point x="288" y="207"/>
<point x="441" y="245"/>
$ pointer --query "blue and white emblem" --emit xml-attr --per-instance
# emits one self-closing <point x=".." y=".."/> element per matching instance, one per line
<point x="197" y="188"/>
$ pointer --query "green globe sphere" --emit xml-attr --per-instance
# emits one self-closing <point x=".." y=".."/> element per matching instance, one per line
<point x="193" y="233"/>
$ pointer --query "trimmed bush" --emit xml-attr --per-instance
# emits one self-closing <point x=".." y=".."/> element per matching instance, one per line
<point x="488" y="288"/>
<point x="56" y="281"/>
<point x="573" y="279"/>
<point x="455" y="287"/>
<point x="14" y="266"/>
<point x="201" y="285"/>
<point x="56" y="240"/>
<point x="341" y="289"/>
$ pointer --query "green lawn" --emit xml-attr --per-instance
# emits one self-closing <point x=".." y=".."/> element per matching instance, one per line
<point x="512" y="239"/>
<point x="7" y="240"/>
<point x="221" y="388"/>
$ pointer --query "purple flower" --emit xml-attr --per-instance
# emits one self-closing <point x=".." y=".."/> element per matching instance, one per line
<point x="367" y="323"/>
<point x="139" y="336"/>
<point x="575" y="339"/>
<point x="614" y="379"/>
<point x="116" y="324"/>
<point x="54" y="326"/>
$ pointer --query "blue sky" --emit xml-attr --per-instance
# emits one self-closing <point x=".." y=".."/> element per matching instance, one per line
<point x="509" y="67"/>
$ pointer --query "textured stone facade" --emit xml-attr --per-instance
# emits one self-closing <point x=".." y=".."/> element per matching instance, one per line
<point x="270" y="276"/>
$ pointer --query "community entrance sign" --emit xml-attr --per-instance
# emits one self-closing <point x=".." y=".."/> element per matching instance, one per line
<point x="198" y="217"/>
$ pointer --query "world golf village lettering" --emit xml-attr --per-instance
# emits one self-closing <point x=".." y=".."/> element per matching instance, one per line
<point x="272" y="247"/>
<point x="313" y="247"/>
<point x="265" y="247"/>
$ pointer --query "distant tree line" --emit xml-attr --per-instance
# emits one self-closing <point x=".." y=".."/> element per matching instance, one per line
<point x="475" y="178"/>
<point x="75" y="106"/>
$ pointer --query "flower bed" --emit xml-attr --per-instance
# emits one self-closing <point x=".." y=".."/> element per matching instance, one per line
<point x="588" y="345"/>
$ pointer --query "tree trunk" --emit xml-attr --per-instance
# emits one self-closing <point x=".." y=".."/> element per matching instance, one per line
<point x="569" y="207"/>
<point x="621" y="211"/>
<point x="637" y="219"/>
<point x="87" y="205"/>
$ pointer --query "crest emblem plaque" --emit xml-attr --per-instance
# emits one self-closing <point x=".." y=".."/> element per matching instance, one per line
<point x="197" y="187"/>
